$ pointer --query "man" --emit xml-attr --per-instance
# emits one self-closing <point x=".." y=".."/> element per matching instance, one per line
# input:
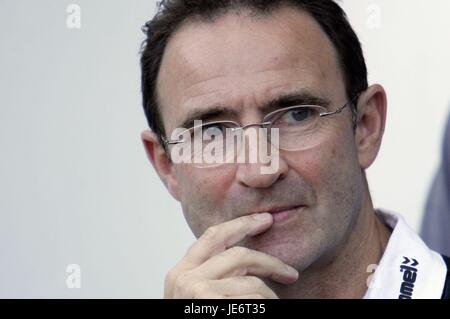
<point x="307" y="228"/>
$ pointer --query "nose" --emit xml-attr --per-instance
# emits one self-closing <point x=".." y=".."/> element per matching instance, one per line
<point x="258" y="173"/>
<point x="250" y="175"/>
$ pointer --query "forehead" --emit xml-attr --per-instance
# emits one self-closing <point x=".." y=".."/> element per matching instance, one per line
<point x="241" y="61"/>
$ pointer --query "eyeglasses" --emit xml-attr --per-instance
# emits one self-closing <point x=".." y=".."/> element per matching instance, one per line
<point x="299" y="128"/>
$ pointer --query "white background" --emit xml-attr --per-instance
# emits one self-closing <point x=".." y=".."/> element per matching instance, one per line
<point x="75" y="185"/>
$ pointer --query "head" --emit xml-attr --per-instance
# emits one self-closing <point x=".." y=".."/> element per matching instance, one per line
<point x="241" y="56"/>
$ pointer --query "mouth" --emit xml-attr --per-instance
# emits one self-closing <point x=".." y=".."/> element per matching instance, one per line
<point x="283" y="213"/>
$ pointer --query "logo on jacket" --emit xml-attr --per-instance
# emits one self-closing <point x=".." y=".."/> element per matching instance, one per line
<point x="409" y="277"/>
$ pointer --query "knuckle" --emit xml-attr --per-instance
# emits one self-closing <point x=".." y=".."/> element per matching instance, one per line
<point x="182" y="284"/>
<point x="201" y="290"/>
<point x="242" y="221"/>
<point x="191" y="248"/>
<point x="256" y="282"/>
<point x="170" y="277"/>
<point x="261" y="288"/>
<point x="210" y="233"/>
<point x="237" y="251"/>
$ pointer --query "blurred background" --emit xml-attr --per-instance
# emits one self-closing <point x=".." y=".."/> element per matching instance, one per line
<point x="83" y="214"/>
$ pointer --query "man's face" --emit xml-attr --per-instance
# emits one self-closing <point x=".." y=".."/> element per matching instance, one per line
<point x="242" y="63"/>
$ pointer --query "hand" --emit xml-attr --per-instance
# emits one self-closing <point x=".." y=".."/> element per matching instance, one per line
<point x="214" y="268"/>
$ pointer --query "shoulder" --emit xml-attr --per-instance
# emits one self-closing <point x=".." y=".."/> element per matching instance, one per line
<point x="446" y="292"/>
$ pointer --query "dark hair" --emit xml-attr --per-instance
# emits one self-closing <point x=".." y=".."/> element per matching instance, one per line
<point x="172" y="13"/>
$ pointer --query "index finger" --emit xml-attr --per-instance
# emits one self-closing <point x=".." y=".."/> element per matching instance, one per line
<point x="219" y="238"/>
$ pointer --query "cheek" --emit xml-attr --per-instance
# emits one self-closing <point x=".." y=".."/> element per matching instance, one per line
<point x="203" y="194"/>
<point x="312" y="165"/>
<point x="198" y="182"/>
<point x="336" y="178"/>
<point x="327" y="168"/>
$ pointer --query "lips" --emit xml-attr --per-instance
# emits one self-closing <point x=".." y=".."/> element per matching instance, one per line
<point x="283" y="213"/>
<point x="282" y="209"/>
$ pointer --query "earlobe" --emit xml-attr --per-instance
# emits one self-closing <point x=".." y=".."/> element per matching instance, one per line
<point x="160" y="161"/>
<point x="372" y="107"/>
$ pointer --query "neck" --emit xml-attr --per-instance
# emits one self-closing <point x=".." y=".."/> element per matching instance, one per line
<point x="346" y="275"/>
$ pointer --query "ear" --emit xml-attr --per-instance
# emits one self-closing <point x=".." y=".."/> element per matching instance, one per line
<point x="160" y="161"/>
<point x="372" y="107"/>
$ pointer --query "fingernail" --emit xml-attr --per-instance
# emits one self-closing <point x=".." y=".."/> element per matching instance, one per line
<point x="291" y="271"/>
<point x="262" y="216"/>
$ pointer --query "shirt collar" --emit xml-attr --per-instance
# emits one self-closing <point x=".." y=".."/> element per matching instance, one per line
<point x="408" y="268"/>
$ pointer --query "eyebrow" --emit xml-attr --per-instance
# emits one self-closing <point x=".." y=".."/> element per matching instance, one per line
<point x="296" y="98"/>
<point x="285" y="100"/>
<point x="206" y="114"/>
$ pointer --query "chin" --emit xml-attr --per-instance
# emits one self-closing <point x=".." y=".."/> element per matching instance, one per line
<point x="296" y="252"/>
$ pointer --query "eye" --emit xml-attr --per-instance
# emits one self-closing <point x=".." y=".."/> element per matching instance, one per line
<point x="298" y="115"/>
<point x="212" y="130"/>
